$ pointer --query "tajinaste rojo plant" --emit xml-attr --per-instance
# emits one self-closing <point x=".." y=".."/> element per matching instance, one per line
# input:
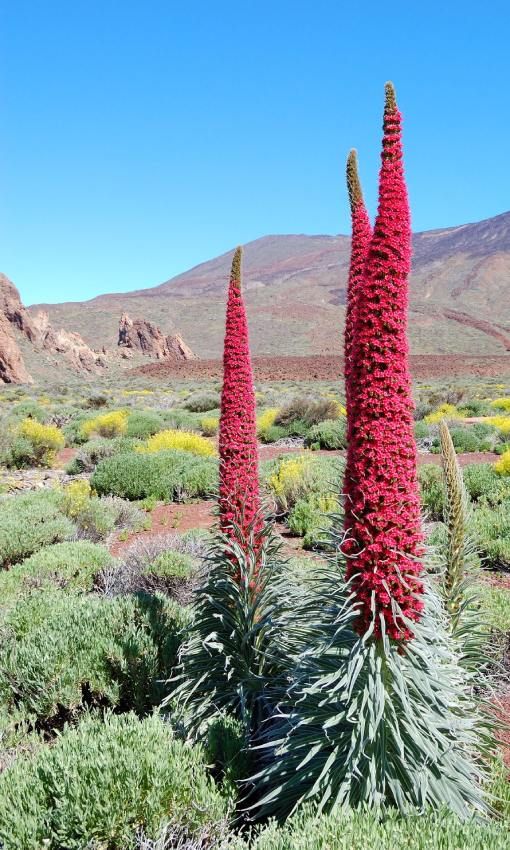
<point x="360" y="243"/>
<point x="239" y="500"/>
<point x="227" y="663"/>
<point x="383" y="525"/>
<point x="380" y="712"/>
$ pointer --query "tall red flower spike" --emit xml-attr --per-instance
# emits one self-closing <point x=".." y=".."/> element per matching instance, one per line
<point x="385" y="539"/>
<point x="239" y="482"/>
<point x="360" y="242"/>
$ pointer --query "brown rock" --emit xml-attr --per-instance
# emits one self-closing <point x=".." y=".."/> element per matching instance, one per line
<point x="144" y="336"/>
<point x="14" y="311"/>
<point x="71" y="345"/>
<point x="178" y="348"/>
<point x="12" y="367"/>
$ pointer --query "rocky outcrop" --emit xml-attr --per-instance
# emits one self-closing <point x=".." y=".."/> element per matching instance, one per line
<point x="68" y="344"/>
<point x="13" y="310"/>
<point x="12" y="367"/>
<point x="178" y="348"/>
<point x="144" y="336"/>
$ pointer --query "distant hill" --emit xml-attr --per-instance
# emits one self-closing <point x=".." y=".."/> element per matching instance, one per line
<point x="295" y="292"/>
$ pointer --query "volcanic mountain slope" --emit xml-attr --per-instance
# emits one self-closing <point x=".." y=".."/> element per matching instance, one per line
<point x="295" y="293"/>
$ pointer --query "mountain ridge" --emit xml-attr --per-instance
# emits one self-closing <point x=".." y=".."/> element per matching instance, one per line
<point x="295" y="288"/>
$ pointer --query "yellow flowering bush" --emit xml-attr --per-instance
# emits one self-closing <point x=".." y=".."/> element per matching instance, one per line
<point x="44" y="440"/>
<point x="502" y="466"/>
<point x="209" y="425"/>
<point x="112" y="424"/>
<point x="266" y="420"/>
<point x="501" y="404"/>
<point x="444" y="411"/>
<point x="76" y="498"/>
<point x="502" y="423"/>
<point x="291" y="481"/>
<point x="184" y="441"/>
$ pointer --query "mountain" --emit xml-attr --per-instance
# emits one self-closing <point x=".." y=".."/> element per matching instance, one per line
<point x="295" y="292"/>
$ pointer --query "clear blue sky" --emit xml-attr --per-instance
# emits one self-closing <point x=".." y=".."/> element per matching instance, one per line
<point x="141" y="138"/>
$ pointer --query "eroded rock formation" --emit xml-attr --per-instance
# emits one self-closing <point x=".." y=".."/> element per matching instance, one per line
<point x="71" y="345"/>
<point x="144" y="336"/>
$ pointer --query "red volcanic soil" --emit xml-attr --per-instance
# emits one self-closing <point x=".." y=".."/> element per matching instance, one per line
<point x="269" y="452"/>
<point x="169" y="518"/>
<point x="326" y="368"/>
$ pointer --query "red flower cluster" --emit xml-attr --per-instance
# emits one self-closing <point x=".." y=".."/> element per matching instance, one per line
<point x="384" y="539"/>
<point x="239" y="482"/>
<point x="360" y="242"/>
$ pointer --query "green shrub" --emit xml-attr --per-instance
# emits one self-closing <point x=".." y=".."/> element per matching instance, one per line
<point x="495" y="606"/>
<point x="330" y="434"/>
<point x="364" y="831"/>
<point x="492" y="527"/>
<point x="73" y="430"/>
<point x="63" y="651"/>
<point x="143" y="424"/>
<point x="30" y="409"/>
<point x="293" y="477"/>
<point x="33" y="444"/>
<point x="203" y="402"/>
<point x="183" y="420"/>
<point x="93" y="451"/>
<point x="29" y="522"/>
<point x="484" y="485"/>
<point x="167" y="475"/>
<point x="309" y="411"/>
<point x="421" y="430"/>
<point x="432" y="490"/>
<point x="73" y="565"/>
<point x="172" y="564"/>
<point x="475" y="438"/>
<point x="103" y="782"/>
<point x="308" y="519"/>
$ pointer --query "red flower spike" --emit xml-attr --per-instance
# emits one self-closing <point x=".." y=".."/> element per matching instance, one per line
<point x="360" y="242"/>
<point x="239" y="499"/>
<point x="383" y="529"/>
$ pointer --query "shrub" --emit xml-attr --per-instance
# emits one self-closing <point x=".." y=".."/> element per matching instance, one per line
<point x="143" y="424"/>
<point x="183" y="441"/>
<point x="484" y="485"/>
<point x="501" y="404"/>
<point x="35" y="444"/>
<point x="476" y="438"/>
<point x="309" y="411"/>
<point x="432" y="492"/>
<point x="93" y="451"/>
<point x="502" y="423"/>
<point x="202" y="402"/>
<point x="329" y="434"/>
<point x="360" y="830"/>
<point x="502" y="466"/>
<point x="96" y="517"/>
<point x="444" y="411"/>
<point x="492" y="526"/>
<point x="265" y="422"/>
<point x="102" y="782"/>
<point x="112" y="424"/>
<point x="421" y="430"/>
<point x="62" y="652"/>
<point x="73" y="564"/>
<point x="76" y="497"/>
<point x="30" y="409"/>
<point x="166" y="475"/>
<point x="29" y="522"/>
<point x="209" y="425"/>
<point x="308" y="519"/>
<point x="294" y="477"/>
